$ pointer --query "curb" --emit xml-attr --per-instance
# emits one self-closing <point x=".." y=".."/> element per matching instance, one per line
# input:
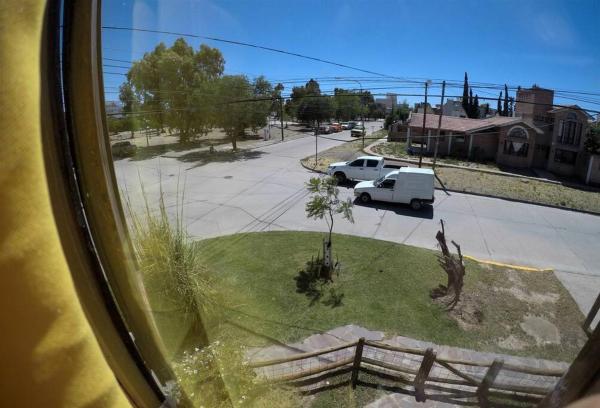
<point x="504" y="265"/>
<point x="517" y="200"/>
<point x="311" y="169"/>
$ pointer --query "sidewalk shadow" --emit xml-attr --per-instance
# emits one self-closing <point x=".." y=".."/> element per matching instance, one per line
<point x="425" y="212"/>
<point x="204" y="157"/>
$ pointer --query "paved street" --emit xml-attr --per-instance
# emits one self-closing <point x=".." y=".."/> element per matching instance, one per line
<point x="264" y="190"/>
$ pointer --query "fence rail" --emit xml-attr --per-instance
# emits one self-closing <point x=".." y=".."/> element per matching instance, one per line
<point x="421" y="368"/>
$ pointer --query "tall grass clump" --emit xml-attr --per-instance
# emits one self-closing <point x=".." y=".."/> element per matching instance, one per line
<point x="180" y="291"/>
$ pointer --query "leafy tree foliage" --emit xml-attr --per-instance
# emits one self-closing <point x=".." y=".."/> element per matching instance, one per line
<point x="240" y="105"/>
<point x="324" y="204"/>
<point x="185" y="90"/>
<point x="400" y="113"/>
<point x="347" y="104"/>
<point x="592" y="141"/>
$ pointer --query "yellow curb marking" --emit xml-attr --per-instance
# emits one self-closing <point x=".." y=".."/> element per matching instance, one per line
<point x="518" y="267"/>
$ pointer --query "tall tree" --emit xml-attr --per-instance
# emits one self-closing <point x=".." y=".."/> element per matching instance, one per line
<point x="131" y="104"/>
<point x="234" y="110"/>
<point x="499" y="107"/>
<point x="346" y="103"/>
<point x="176" y="84"/>
<point x="313" y="108"/>
<point x="505" y="107"/>
<point x="465" y="98"/>
<point x="476" y="111"/>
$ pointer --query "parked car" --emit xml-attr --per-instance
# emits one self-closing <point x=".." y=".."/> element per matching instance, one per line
<point x="345" y="125"/>
<point x="362" y="168"/>
<point x="358" y="131"/>
<point x="324" y="130"/>
<point x="336" y="127"/>
<point x="409" y="185"/>
<point x="123" y="149"/>
<point x="351" y="124"/>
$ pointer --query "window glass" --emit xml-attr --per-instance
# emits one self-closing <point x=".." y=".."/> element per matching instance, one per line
<point x="565" y="156"/>
<point x="516" y="148"/>
<point x="254" y="247"/>
<point x="388" y="183"/>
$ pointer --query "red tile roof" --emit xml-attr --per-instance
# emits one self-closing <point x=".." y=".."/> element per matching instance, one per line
<point x="462" y="125"/>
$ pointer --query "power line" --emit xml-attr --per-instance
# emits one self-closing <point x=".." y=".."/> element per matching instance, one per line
<point x="276" y="50"/>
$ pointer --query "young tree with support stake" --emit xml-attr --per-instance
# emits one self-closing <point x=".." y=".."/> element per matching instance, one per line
<point x="325" y="204"/>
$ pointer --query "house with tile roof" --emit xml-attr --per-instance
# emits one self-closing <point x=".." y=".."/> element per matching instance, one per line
<point x="539" y="136"/>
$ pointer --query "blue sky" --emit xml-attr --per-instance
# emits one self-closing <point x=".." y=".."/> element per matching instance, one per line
<point x="551" y="43"/>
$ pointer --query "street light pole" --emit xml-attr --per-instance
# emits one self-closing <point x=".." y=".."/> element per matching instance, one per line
<point x="281" y="115"/>
<point x="424" y="118"/>
<point x="439" y="129"/>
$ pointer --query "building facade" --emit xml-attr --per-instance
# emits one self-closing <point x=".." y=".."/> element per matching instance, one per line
<point x="538" y="136"/>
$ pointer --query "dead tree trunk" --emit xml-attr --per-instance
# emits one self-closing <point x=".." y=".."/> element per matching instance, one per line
<point x="454" y="268"/>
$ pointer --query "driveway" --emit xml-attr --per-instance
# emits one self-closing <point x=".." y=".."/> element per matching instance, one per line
<point x="264" y="190"/>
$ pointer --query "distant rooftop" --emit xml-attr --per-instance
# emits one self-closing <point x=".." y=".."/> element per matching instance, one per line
<point x="463" y="125"/>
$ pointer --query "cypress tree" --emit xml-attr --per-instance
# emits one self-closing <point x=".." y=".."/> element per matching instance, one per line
<point x="505" y="109"/>
<point x="471" y="112"/>
<point x="465" y="98"/>
<point x="476" y="112"/>
<point x="499" y="107"/>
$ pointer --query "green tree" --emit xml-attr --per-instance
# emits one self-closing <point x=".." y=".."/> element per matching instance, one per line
<point x="325" y="203"/>
<point x="465" y="97"/>
<point x="233" y="106"/>
<point x="475" y="107"/>
<point x="312" y="107"/>
<point x="131" y="104"/>
<point x="505" y="105"/>
<point x="499" y="106"/>
<point x="241" y="105"/>
<point x="346" y="103"/>
<point x="176" y="85"/>
<point x="592" y="141"/>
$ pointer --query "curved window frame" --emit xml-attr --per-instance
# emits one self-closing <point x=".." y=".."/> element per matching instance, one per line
<point x="87" y="207"/>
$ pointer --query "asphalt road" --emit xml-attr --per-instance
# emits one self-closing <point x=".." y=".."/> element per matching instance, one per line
<point x="264" y="190"/>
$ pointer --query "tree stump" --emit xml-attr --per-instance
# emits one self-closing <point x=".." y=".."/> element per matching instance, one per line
<point x="454" y="268"/>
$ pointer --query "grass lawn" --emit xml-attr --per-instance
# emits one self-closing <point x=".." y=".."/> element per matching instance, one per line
<point x="519" y="188"/>
<point x="469" y="181"/>
<point x="382" y="285"/>
<point x="385" y="286"/>
<point x="398" y="149"/>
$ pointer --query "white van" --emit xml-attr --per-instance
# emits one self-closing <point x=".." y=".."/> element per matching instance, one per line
<point x="409" y="185"/>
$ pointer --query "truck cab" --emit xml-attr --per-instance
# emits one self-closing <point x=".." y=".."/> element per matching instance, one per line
<point x="361" y="168"/>
<point x="408" y="185"/>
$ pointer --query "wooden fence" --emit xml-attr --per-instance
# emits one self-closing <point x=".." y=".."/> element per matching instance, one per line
<point x="420" y="369"/>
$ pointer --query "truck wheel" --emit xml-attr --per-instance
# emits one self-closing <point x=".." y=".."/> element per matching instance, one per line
<point x="416" y="204"/>
<point x="340" y="177"/>
<point x="365" y="198"/>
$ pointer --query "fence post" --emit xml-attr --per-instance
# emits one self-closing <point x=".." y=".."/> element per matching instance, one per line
<point x="488" y="380"/>
<point x="357" y="360"/>
<point x="423" y="374"/>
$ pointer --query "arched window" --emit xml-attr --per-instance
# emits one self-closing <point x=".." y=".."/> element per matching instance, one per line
<point x="518" y="132"/>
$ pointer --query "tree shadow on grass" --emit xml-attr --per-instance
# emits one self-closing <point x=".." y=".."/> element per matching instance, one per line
<point x="150" y="152"/>
<point x="316" y="289"/>
<point x="203" y="157"/>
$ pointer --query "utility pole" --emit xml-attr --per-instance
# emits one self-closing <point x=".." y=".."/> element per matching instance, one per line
<point x="281" y="115"/>
<point x="424" y="118"/>
<point x="316" y="143"/>
<point x="439" y="129"/>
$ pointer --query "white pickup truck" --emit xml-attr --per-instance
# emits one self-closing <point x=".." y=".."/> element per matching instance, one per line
<point x="409" y="185"/>
<point x="361" y="168"/>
